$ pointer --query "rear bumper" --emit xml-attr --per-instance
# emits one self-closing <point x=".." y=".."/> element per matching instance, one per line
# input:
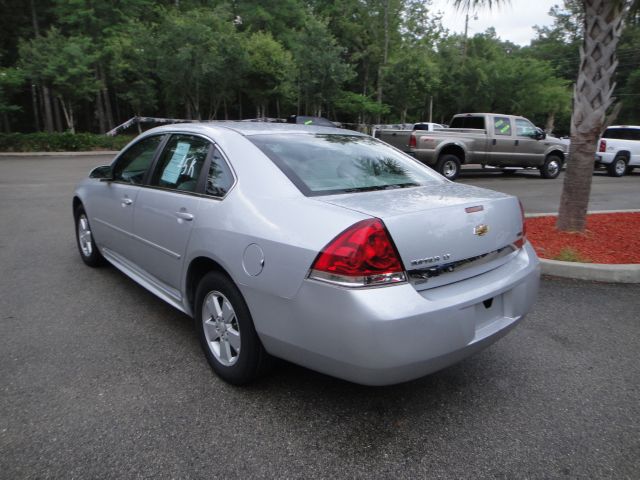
<point x="604" y="158"/>
<point x="382" y="336"/>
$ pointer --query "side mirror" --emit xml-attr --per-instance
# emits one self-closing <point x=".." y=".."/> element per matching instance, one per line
<point x="104" y="173"/>
<point x="540" y="134"/>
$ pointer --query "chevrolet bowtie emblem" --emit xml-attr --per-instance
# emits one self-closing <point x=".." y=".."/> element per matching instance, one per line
<point x="481" y="230"/>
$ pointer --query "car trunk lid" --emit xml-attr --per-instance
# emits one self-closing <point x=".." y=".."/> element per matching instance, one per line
<point x="443" y="232"/>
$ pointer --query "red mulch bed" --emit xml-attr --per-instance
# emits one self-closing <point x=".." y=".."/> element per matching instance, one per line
<point x="608" y="238"/>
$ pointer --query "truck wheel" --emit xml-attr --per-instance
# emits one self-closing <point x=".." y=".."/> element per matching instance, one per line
<point x="448" y="166"/>
<point x="618" y="167"/>
<point x="551" y="167"/>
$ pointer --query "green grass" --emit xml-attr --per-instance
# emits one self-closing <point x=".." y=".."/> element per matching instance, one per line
<point x="60" y="142"/>
<point x="568" y="254"/>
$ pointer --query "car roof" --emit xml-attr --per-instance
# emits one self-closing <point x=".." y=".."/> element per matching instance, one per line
<point x="251" y="128"/>
<point x="636" y="127"/>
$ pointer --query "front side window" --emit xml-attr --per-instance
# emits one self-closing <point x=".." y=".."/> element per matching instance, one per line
<point x="219" y="178"/>
<point x="324" y="164"/>
<point x="525" y="128"/>
<point x="133" y="164"/>
<point x="180" y="163"/>
<point x="502" y="126"/>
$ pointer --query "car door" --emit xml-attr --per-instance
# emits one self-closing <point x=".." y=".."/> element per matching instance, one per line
<point x="529" y="150"/>
<point x="167" y="207"/>
<point x="111" y="207"/>
<point x="502" y="144"/>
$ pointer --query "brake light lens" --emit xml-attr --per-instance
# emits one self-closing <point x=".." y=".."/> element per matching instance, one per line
<point x="519" y="243"/>
<point x="361" y="256"/>
<point x="603" y="146"/>
<point x="412" y="141"/>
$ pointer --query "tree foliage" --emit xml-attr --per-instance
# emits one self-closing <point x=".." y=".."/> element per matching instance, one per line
<point x="356" y="61"/>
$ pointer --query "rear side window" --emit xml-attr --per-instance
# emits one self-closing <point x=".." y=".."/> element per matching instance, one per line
<point x="180" y="164"/>
<point x="502" y="126"/>
<point x="324" y="164"/>
<point x="468" y="122"/>
<point x="219" y="178"/>
<point x="132" y="165"/>
<point x="622" y="133"/>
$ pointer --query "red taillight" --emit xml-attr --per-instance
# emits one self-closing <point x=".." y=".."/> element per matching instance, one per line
<point x="519" y="243"/>
<point x="412" y="141"/>
<point x="362" y="255"/>
<point x="603" y="146"/>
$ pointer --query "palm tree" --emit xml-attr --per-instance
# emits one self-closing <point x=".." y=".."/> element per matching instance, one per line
<point x="603" y="24"/>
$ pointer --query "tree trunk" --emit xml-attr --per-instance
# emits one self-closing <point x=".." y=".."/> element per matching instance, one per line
<point x="100" y="113"/>
<point x="48" y="115"/>
<point x="56" y="115"/>
<point x="385" y="55"/>
<point x="592" y="97"/>
<point x="551" y="123"/>
<point x="5" y="123"/>
<point x="68" y="115"/>
<point x="106" y="98"/>
<point x="34" y="103"/>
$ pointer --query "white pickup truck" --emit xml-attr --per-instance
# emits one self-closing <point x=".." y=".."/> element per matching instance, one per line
<point x="619" y="149"/>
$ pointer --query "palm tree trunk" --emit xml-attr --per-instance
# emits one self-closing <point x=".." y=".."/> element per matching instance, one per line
<point x="592" y="97"/>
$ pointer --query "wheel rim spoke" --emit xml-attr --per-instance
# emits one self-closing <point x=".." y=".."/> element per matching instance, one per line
<point x="227" y="312"/>
<point x="233" y="337"/>
<point x="225" y="351"/>
<point x="212" y="332"/>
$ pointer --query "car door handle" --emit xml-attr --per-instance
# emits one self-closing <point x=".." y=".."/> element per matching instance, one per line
<point x="517" y="143"/>
<point x="126" y="202"/>
<point x="185" y="216"/>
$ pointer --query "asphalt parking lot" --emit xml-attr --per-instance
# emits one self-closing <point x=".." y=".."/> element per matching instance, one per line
<point x="100" y="379"/>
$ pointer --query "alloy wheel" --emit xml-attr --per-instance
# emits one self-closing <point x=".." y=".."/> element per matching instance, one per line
<point x="84" y="236"/>
<point x="221" y="328"/>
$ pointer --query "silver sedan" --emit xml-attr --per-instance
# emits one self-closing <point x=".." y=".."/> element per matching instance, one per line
<point x="317" y="245"/>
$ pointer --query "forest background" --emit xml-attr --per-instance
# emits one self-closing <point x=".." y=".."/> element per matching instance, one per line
<point x="88" y="65"/>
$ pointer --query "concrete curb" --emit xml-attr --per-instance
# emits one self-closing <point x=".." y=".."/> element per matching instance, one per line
<point x="555" y="214"/>
<point x="59" y="154"/>
<point x="599" y="272"/>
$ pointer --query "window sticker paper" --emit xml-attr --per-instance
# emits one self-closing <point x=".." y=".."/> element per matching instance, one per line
<point x="174" y="167"/>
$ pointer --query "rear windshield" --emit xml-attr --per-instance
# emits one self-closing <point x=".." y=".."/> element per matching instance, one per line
<point x="321" y="164"/>
<point x="468" y="122"/>
<point x="622" y="133"/>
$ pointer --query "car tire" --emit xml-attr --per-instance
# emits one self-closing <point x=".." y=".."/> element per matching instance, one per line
<point x="85" y="240"/>
<point x="618" y="167"/>
<point x="226" y="331"/>
<point x="551" y="167"/>
<point x="448" y="166"/>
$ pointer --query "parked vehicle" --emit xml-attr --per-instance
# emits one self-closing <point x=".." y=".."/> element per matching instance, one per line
<point x="497" y="140"/>
<point x="321" y="246"/>
<point x="619" y="149"/>
<point x="422" y="126"/>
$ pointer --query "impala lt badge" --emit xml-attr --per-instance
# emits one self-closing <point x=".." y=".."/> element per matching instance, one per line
<point x="481" y="230"/>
